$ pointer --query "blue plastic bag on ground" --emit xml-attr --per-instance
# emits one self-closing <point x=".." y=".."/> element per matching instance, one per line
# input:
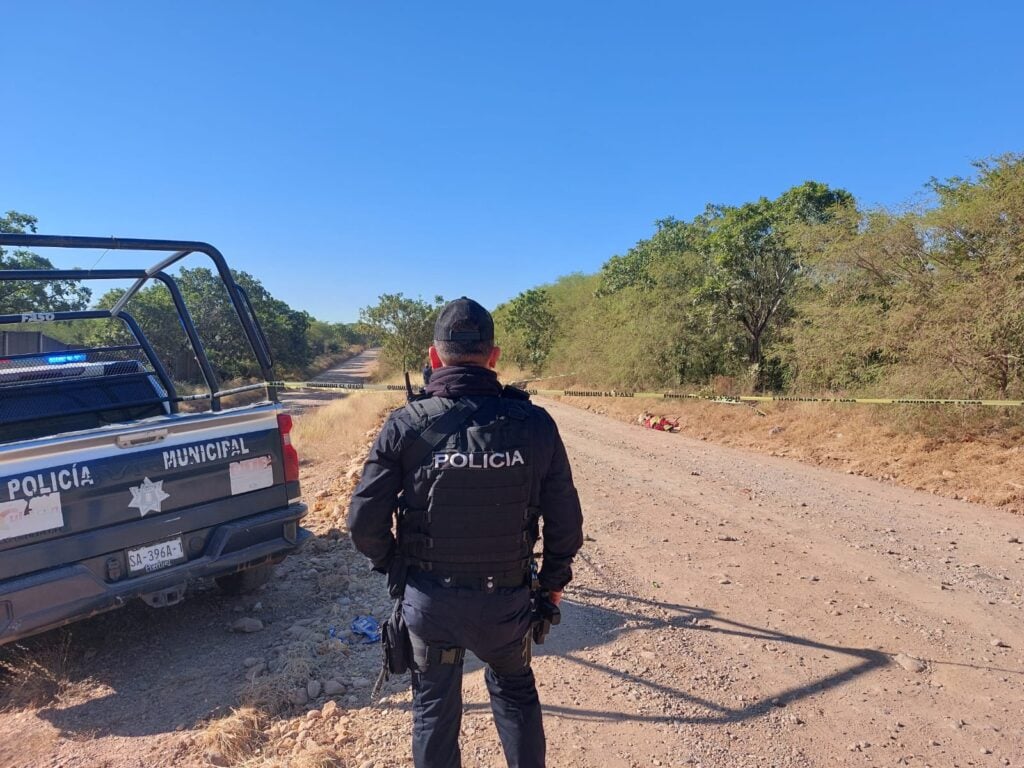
<point x="368" y="627"/>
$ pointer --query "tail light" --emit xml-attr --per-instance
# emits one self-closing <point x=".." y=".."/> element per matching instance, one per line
<point x="291" y="456"/>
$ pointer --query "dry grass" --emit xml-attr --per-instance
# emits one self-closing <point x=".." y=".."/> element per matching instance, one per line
<point x="339" y="428"/>
<point x="272" y="692"/>
<point x="949" y="452"/>
<point x="244" y="738"/>
<point x="312" y="757"/>
<point x="509" y="373"/>
<point x="32" y="677"/>
<point x="237" y="737"/>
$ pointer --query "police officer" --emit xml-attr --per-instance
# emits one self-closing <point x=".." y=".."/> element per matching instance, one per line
<point x="474" y="470"/>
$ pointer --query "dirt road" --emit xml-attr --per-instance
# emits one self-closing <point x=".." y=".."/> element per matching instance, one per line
<point x="355" y="370"/>
<point x="730" y="609"/>
<point x="735" y="609"/>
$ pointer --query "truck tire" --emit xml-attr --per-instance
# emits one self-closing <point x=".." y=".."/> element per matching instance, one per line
<point x="244" y="582"/>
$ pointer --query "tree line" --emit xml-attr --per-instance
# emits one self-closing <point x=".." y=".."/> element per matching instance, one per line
<point x="295" y="337"/>
<point x="804" y="293"/>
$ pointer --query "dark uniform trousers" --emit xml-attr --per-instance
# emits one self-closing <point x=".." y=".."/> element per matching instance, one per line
<point x="494" y="626"/>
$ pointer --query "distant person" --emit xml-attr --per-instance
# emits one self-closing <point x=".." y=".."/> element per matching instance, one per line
<point x="475" y="468"/>
<point x="427" y="372"/>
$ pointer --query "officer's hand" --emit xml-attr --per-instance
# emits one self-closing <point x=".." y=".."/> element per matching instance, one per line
<point x="555" y="597"/>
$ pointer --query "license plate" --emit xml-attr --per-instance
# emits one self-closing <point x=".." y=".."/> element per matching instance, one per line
<point x="153" y="557"/>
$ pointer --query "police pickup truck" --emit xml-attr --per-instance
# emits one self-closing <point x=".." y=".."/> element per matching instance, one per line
<point x="112" y="485"/>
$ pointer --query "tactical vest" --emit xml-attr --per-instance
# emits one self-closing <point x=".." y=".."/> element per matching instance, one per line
<point x="477" y="520"/>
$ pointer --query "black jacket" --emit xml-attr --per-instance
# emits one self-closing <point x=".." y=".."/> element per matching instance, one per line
<point x="374" y="501"/>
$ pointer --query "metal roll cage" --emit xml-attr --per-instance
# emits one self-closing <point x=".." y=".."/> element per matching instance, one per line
<point x="178" y="250"/>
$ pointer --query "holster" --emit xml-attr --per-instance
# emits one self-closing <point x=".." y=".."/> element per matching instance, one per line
<point x="395" y="643"/>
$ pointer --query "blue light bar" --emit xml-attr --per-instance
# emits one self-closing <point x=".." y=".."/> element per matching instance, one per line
<point x="78" y="357"/>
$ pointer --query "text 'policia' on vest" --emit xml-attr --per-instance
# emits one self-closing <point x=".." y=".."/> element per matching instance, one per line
<point x="492" y="460"/>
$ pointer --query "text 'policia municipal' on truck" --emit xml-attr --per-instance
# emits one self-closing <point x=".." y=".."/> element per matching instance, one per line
<point x="112" y="485"/>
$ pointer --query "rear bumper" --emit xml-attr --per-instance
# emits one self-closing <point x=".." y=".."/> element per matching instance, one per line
<point x="48" y="599"/>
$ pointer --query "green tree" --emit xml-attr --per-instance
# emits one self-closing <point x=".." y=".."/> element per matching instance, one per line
<point x="861" y="293"/>
<point x="285" y="328"/>
<point x="403" y="327"/>
<point x="36" y="296"/>
<point x="924" y="301"/>
<point x="216" y="323"/>
<point x="663" y="333"/>
<point x="329" y="338"/>
<point x="753" y="261"/>
<point x="154" y="311"/>
<point x="636" y="268"/>
<point x="974" y="240"/>
<point x="222" y="334"/>
<point x="529" y="316"/>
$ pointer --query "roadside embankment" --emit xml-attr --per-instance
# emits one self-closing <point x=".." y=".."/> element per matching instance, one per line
<point x="942" y="450"/>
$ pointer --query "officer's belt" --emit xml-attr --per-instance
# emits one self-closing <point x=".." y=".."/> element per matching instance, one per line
<point x="483" y="583"/>
<point x="416" y="543"/>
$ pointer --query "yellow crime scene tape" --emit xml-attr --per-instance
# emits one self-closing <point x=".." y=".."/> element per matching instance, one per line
<point x="613" y="393"/>
<point x="332" y="386"/>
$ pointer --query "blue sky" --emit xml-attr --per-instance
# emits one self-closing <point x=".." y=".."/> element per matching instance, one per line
<point x="340" y="150"/>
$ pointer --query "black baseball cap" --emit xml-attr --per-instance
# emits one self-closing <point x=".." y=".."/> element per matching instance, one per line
<point x="464" y="320"/>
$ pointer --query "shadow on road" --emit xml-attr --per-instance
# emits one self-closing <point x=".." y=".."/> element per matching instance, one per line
<point x="584" y="617"/>
<point x="144" y="669"/>
<point x="139" y="671"/>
